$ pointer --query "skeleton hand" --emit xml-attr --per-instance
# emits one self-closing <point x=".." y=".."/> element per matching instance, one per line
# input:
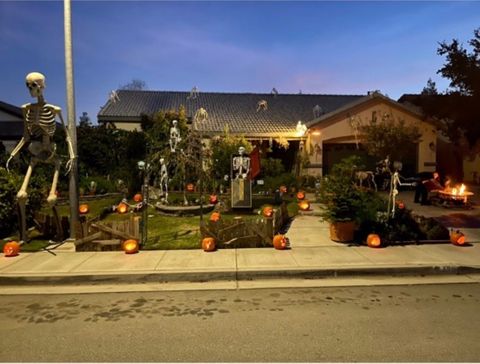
<point x="69" y="165"/>
<point x="8" y="162"/>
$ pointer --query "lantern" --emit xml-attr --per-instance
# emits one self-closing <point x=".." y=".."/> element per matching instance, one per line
<point x="304" y="205"/>
<point x="457" y="237"/>
<point x="190" y="187"/>
<point x="130" y="246"/>
<point x="11" y="249"/>
<point x="122" y="208"/>
<point x="213" y="199"/>
<point x="215" y="216"/>
<point x="300" y="195"/>
<point x="208" y="244"/>
<point x="267" y="211"/>
<point x="374" y="241"/>
<point x="283" y="189"/>
<point x="83" y="209"/>
<point x="138" y="197"/>
<point x="280" y="242"/>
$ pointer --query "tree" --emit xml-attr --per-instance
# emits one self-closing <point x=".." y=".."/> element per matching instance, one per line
<point x="430" y="89"/>
<point x="134" y="85"/>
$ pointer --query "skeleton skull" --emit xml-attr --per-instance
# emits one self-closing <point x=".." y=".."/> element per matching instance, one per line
<point x="35" y="82"/>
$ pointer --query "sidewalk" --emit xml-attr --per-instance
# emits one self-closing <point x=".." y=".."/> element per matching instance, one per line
<point x="312" y="255"/>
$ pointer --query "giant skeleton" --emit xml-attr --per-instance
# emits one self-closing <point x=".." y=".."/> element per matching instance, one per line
<point x="39" y="129"/>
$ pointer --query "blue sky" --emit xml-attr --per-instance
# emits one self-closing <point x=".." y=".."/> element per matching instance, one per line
<point x="337" y="47"/>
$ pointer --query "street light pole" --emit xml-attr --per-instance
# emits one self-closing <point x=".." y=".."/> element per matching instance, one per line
<point x="71" y="125"/>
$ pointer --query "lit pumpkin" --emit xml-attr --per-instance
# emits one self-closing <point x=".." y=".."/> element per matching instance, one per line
<point x="130" y="246"/>
<point x="400" y="205"/>
<point x="122" y="208"/>
<point x="83" y="209"/>
<point x="283" y="189"/>
<point x="208" y="244"/>
<point x="267" y="211"/>
<point x="304" y="205"/>
<point x="215" y="216"/>
<point x="11" y="249"/>
<point x="300" y="195"/>
<point x="457" y="237"/>
<point x="213" y="199"/>
<point x="190" y="187"/>
<point x="374" y="241"/>
<point x="138" y="197"/>
<point x="280" y="242"/>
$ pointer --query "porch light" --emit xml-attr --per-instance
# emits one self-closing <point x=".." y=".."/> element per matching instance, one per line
<point x="301" y="129"/>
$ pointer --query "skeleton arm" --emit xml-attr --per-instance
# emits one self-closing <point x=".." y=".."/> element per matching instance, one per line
<point x="71" y="153"/>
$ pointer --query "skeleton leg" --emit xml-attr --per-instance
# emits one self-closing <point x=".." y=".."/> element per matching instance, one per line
<point x="52" y="196"/>
<point x="22" y="197"/>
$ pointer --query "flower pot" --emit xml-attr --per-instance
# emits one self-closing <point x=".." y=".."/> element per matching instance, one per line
<point x="342" y="231"/>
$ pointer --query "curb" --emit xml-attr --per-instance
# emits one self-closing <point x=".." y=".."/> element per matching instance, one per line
<point x="244" y="275"/>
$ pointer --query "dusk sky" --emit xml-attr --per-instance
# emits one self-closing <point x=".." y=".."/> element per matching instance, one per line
<point x="337" y="47"/>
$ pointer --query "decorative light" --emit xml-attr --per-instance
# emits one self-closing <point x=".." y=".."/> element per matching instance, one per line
<point x="122" y="208"/>
<point x="457" y="237"/>
<point x="267" y="211"/>
<point x="138" y="197"/>
<point x="190" y="187"/>
<point x="374" y="241"/>
<point x="130" y="246"/>
<point x="213" y="199"/>
<point x="83" y="209"/>
<point x="304" y="205"/>
<point x="280" y="242"/>
<point x="300" y="195"/>
<point x="208" y="244"/>
<point x="215" y="216"/>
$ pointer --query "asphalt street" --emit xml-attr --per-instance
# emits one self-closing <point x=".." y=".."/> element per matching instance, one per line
<point x="382" y="323"/>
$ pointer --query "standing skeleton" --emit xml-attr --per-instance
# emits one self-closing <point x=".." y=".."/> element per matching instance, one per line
<point x="241" y="164"/>
<point x="39" y="129"/>
<point x="163" y="179"/>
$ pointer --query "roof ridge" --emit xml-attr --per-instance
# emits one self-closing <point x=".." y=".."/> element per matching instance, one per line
<point x="244" y="93"/>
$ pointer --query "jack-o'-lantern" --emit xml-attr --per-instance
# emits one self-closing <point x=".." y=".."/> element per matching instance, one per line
<point x="213" y="199"/>
<point x="267" y="211"/>
<point x="283" y="189"/>
<point x="215" y="216"/>
<point x="300" y="195"/>
<point x="457" y="237"/>
<point x="280" y="242"/>
<point x="130" y="246"/>
<point x="400" y="205"/>
<point x="83" y="209"/>
<point x="374" y="241"/>
<point x="11" y="249"/>
<point x="190" y="187"/>
<point x="138" y="197"/>
<point x="304" y="205"/>
<point x="122" y="208"/>
<point x="208" y="244"/>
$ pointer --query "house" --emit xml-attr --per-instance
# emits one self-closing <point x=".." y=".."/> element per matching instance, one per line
<point x="324" y="127"/>
<point x="11" y="125"/>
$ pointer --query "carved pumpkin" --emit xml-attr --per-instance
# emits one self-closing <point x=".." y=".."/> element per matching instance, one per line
<point x="300" y="195"/>
<point x="267" y="211"/>
<point x="83" y="209"/>
<point x="280" y="242"/>
<point x="190" y="187"/>
<point x="304" y="205"/>
<point x="138" y="197"/>
<point x="213" y="199"/>
<point x="374" y="241"/>
<point x="215" y="216"/>
<point x="11" y="249"/>
<point x="122" y="208"/>
<point x="400" y="205"/>
<point x="457" y="237"/>
<point x="130" y="246"/>
<point x="283" y="189"/>
<point x="208" y="244"/>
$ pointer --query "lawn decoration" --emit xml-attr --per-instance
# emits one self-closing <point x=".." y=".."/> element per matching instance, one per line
<point x="283" y="189"/>
<point x="304" y="205"/>
<point x="200" y="116"/>
<point x="374" y="241"/>
<point x="213" y="199"/>
<point x="174" y="136"/>
<point x="138" y="197"/>
<point x="241" y="184"/>
<point x="83" y="209"/>
<point x="394" y="183"/>
<point x="300" y="195"/>
<point x="193" y="93"/>
<point x="163" y="179"/>
<point x="122" y="208"/>
<point x="39" y="130"/>
<point x="457" y="237"/>
<point x="11" y="249"/>
<point x="130" y="246"/>
<point x="267" y="211"/>
<point x="215" y="216"/>
<point x="190" y="187"/>
<point x="262" y="105"/>
<point x="208" y="244"/>
<point x="280" y="242"/>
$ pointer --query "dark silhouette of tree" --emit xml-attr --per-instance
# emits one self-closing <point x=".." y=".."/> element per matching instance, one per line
<point x="134" y="85"/>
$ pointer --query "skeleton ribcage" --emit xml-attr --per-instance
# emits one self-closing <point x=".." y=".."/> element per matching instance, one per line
<point x="45" y="123"/>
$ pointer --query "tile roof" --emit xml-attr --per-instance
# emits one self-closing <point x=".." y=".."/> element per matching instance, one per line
<point x="238" y="110"/>
<point x="11" y="109"/>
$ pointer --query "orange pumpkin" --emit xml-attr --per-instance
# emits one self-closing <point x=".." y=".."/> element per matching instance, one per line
<point x="457" y="238"/>
<point x="374" y="241"/>
<point x="300" y="195"/>
<point x="190" y="187"/>
<point x="83" y="209"/>
<point x="138" y="197"/>
<point x="130" y="246"/>
<point x="208" y="244"/>
<point x="215" y="216"/>
<point x="304" y="205"/>
<point x="280" y="242"/>
<point x="213" y="199"/>
<point x="122" y="208"/>
<point x="267" y="211"/>
<point x="11" y="249"/>
<point x="283" y="189"/>
<point x="401" y="205"/>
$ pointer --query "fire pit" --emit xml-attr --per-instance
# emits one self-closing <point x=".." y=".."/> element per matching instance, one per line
<point x="456" y="196"/>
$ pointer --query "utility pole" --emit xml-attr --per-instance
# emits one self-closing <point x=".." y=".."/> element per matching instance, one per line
<point x="71" y="124"/>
